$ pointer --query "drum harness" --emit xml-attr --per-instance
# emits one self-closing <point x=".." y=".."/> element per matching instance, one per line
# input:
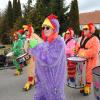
<point x="68" y="40"/>
<point x="82" y="44"/>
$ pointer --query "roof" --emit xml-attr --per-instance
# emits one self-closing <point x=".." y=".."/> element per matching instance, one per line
<point x="88" y="17"/>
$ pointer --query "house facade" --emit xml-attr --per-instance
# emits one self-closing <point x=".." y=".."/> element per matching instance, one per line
<point x="88" y="17"/>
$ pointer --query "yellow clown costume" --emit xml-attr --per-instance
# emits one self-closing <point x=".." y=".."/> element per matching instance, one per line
<point x="31" y="62"/>
<point x="88" y="47"/>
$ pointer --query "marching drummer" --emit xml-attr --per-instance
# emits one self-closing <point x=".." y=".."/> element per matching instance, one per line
<point x="88" y="47"/>
<point x="70" y="46"/>
<point x="17" y="49"/>
<point x="31" y="62"/>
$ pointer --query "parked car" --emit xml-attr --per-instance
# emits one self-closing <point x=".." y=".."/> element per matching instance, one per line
<point x="4" y="60"/>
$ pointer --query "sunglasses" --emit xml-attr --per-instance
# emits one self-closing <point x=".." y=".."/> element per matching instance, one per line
<point x="46" y="27"/>
<point x="67" y="33"/>
<point x="86" y="29"/>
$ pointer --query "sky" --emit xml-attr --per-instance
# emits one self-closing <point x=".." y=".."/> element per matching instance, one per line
<point x="84" y="5"/>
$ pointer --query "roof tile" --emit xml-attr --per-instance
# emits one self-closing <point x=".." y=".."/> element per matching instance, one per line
<point x="88" y="17"/>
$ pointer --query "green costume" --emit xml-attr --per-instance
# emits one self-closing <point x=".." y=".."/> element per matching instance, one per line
<point x="18" y="51"/>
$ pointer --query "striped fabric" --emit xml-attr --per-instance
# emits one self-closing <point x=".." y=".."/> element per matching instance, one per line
<point x="71" y="69"/>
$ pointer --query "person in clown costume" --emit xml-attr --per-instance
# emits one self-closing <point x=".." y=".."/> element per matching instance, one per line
<point x="50" y="62"/>
<point x="88" y="47"/>
<point x="70" y="47"/>
<point x="31" y="62"/>
<point x="18" y="50"/>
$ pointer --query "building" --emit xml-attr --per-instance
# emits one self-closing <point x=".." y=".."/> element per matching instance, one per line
<point x="88" y="17"/>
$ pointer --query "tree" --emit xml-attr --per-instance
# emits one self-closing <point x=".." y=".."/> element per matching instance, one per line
<point x="4" y="28"/>
<point x="74" y="16"/>
<point x="3" y="22"/>
<point x="37" y="13"/>
<point x="41" y="11"/>
<point x="19" y="8"/>
<point x="19" y="23"/>
<point x="16" y="10"/>
<point x="9" y="16"/>
<point x="27" y="13"/>
<point x="44" y="8"/>
<point x="60" y="12"/>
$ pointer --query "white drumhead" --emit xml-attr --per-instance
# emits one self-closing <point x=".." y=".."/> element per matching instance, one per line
<point x="10" y="54"/>
<point x="76" y="58"/>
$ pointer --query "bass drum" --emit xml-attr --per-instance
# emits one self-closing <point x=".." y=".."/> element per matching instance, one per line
<point x="23" y="58"/>
<point x="96" y="82"/>
<point x="75" y="72"/>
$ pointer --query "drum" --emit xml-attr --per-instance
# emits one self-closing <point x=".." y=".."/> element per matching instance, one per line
<point x="23" y="58"/>
<point x="96" y="82"/>
<point x="75" y="72"/>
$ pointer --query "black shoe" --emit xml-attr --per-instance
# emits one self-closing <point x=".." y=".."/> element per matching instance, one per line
<point x="86" y="94"/>
<point x="82" y="90"/>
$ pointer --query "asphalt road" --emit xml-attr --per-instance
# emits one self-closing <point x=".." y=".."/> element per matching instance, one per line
<point x="11" y="88"/>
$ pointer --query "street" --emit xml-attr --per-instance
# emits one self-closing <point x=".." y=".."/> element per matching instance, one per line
<point x="11" y="88"/>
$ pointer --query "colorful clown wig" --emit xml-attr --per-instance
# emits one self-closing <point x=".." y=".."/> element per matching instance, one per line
<point x="53" y="22"/>
<point x="89" y="27"/>
<point x="28" y="28"/>
<point x="15" y="35"/>
<point x="69" y="31"/>
<point x="21" y="31"/>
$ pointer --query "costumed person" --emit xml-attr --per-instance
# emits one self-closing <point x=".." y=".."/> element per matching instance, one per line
<point x="70" y="47"/>
<point x="22" y="61"/>
<point x="88" y="47"/>
<point x="18" y="50"/>
<point x="50" y="62"/>
<point x="31" y="62"/>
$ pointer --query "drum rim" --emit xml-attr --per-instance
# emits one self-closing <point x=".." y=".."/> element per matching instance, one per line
<point x="22" y="55"/>
<point x="9" y="53"/>
<point x="94" y="72"/>
<point x="77" y="61"/>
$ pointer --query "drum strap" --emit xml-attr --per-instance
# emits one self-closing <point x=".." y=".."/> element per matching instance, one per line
<point x="68" y="40"/>
<point x="82" y="44"/>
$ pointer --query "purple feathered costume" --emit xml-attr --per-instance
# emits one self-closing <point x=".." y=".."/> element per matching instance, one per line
<point x="50" y="70"/>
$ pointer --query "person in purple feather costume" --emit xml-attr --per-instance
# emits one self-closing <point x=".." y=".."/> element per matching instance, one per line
<point x="50" y="62"/>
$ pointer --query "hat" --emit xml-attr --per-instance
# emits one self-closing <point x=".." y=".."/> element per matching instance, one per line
<point x="70" y="31"/>
<point x="53" y="22"/>
<point x="85" y="27"/>
<point x="21" y="31"/>
<point x="15" y="35"/>
<point x="28" y="28"/>
<point x="91" y="27"/>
